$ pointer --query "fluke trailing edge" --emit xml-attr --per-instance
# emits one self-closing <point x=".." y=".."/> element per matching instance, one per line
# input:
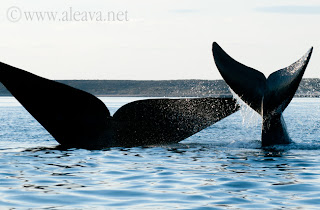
<point x="269" y="97"/>
<point x="78" y="119"/>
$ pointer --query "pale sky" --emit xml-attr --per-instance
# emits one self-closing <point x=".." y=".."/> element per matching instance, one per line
<point x="164" y="39"/>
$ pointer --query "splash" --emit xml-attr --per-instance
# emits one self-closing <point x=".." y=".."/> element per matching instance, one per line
<point x="250" y="118"/>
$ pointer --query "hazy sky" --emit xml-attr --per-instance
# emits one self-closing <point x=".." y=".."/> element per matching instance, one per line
<point x="164" y="39"/>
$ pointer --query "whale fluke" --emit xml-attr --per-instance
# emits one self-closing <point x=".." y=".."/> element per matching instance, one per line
<point x="163" y="121"/>
<point x="267" y="96"/>
<point x="78" y="119"/>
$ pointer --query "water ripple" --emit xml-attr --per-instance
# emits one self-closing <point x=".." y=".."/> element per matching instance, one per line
<point x="215" y="169"/>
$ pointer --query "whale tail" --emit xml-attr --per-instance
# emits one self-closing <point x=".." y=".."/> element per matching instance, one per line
<point x="267" y="96"/>
<point x="78" y="119"/>
<point x="70" y="115"/>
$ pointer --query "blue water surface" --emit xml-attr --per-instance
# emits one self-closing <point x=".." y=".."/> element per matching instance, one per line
<point x="221" y="167"/>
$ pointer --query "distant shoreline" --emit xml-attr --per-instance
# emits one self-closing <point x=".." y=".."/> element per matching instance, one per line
<point x="168" y="88"/>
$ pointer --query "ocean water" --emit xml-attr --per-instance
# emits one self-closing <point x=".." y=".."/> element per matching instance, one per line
<point x="221" y="167"/>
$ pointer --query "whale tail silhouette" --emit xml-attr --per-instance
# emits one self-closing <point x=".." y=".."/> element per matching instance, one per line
<point x="267" y="96"/>
<point x="78" y="119"/>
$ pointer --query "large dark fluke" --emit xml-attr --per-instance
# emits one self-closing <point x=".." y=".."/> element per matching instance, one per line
<point x="78" y="119"/>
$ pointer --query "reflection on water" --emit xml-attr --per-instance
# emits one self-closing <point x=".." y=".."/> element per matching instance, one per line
<point x="169" y="177"/>
<point x="221" y="167"/>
